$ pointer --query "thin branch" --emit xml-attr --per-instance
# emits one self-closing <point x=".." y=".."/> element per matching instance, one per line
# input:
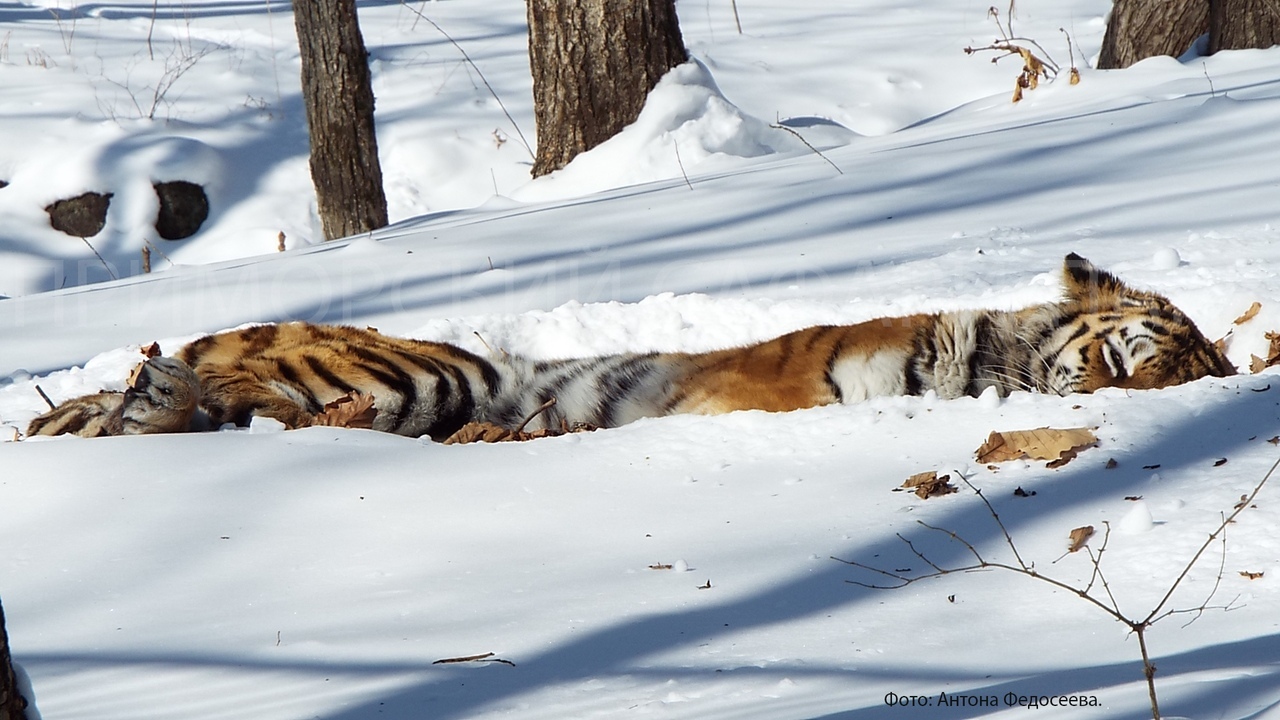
<point x="475" y="67"/>
<point x="680" y="162"/>
<point x="780" y="126"/>
<point x="1212" y="536"/>
<point x="46" y="398"/>
<point x="995" y="515"/>
<point x="534" y="414"/>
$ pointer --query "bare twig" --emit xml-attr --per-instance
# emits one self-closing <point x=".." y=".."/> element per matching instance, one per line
<point x="736" y="20"/>
<point x="780" y="126"/>
<point x="534" y="414"/>
<point x="475" y="67"/>
<point x="101" y="259"/>
<point x="482" y="657"/>
<point x="46" y="398"/>
<point x="680" y="162"/>
<point x="1137" y="626"/>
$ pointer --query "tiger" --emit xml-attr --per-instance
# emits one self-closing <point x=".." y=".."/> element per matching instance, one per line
<point x="1103" y="333"/>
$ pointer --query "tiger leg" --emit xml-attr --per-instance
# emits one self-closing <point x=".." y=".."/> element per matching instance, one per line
<point x="87" y="416"/>
<point x="237" y="398"/>
<point x="161" y="398"/>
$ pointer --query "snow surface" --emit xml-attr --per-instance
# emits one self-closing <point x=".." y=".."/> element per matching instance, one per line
<point x="321" y="573"/>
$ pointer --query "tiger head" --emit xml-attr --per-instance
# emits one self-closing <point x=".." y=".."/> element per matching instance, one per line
<point x="162" y="396"/>
<point x="1111" y="335"/>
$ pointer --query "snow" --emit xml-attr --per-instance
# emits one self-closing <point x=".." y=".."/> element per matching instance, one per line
<point x="322" y="572"/>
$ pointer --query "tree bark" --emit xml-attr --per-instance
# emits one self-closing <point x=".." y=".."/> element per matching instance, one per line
<point x="1139" y="29"/>
<point x="1239" y="24"/>
<point x="12" y="704"/>
<point x="594" y="63"/>
<point x="338" y="94"/>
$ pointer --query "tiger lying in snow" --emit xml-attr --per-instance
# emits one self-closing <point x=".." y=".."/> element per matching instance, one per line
<point x="1104" y="334"/>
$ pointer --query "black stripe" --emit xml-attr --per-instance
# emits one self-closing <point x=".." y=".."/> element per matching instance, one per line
<point x="980" y="356"/>
<point x="290" y="375"/>
<point x="257" y="339"/>
<point x="616" y="384"/>
<point x="391" y="376"/>
<point x="329" y="377"/>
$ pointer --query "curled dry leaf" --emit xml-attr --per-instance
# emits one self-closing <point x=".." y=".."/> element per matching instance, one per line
<point x="152" y="350"/>
<point x="1251" y="575"/>
<point x="1079" y="538"/>
<point x="928" y="484"/>
<point x="1056" y="445"/>
<point x="661" y="566"/>
<point x="353" y="410"/>
<point x="490" y="433"/>
<point x="1257" y="364"/>
<point x="1249" y="314"/>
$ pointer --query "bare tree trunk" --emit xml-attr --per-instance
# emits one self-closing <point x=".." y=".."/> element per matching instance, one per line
<point x="1239" y="24"/>
<point x="594" y="63"/>
<point x="1139" y="29"/>
<point x="12" y="704"/>
<point x="338" y="94"/>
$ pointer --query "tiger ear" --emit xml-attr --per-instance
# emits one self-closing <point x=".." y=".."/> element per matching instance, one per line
<point x="1085" y="283"/>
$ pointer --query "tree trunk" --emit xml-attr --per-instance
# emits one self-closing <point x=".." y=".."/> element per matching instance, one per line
<point x="338" y="94"/>
<point x="1239" y="24"/>
<point x="594" y="63"/>
<point x="1139" y="29"/>
<point x="12" y="704"/>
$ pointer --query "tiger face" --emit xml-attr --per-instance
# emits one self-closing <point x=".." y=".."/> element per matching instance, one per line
<point x="1115" y="336"/>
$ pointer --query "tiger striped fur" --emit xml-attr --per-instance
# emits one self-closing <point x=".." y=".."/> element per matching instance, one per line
<point x="1103" y="334"/>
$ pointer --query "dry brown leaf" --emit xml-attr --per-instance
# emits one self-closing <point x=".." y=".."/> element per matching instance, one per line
<point x="928" y="484"/>
<point x="661" y="566"/>
<point x="1251" y="575"/>
<point x="353" y="410"/>
<point x="1054" y="444"/>
<point x="1079" y="538"/>
<point x="152" y="350"/>
<point x="1257" y="364"/>
<point x="1249" y="314"/>
<point x="490" y="433"/>
<point x="1075" y="76"/>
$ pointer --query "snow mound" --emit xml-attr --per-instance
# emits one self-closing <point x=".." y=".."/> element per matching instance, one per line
<point x="686" y="123"/>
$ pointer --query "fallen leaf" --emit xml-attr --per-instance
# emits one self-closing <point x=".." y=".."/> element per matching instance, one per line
<point x="661" y="566"/>
<point x="1275" y="440"/>
<point x="1249" y="314"/>
<point x="1019" y="492"/>
<point x="1074" y="77"/>
<point x="1251" y="575"/>
<point x="928" y="484"/>
<point x="1056" y="445"/>
<point x="1151" y="467"/>
<point x="1257" y="364"/>
<point x="1220" y="462"/>
<point x="1080" y="537"/>
<point x="491" y="433"/>
<point x="1111" y="464"/>
<point x="1133" y="498"/>
<point x="152" y="350"/>
<point x="353" y="410"/>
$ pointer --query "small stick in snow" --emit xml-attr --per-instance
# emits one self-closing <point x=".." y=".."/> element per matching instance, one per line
<point x="534" y="414"/>
<point x="46" y="398"/>
<point x="780" y="126"/>
<point x="473" y="658"/>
